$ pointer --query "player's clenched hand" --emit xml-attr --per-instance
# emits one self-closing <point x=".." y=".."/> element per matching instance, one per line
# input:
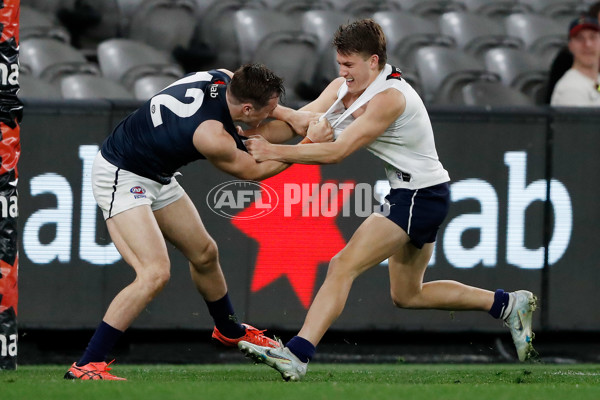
<point x="258" y="147"/>
<point x="300" y="120"/>
<point x="320" y="131"/>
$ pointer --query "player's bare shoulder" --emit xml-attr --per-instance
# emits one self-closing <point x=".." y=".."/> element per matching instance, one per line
<point x="211" y="138"/>
<point x="226" y="71"/>
<point x="390" y="103"/>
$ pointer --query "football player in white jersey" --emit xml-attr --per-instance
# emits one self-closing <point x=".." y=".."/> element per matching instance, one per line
<point x="371" y="106"/>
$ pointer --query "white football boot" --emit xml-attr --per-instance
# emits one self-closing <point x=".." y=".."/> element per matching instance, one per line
<point x="279" y="358"/>
<point x="519" y="322"/>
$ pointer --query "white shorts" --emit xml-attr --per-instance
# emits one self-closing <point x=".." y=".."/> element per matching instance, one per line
<point x="117" y="190"/>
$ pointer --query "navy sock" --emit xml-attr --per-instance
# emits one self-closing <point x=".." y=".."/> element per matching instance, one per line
<point x="302" y="348"/>
<point x="102" y="342"/>
<point x="225" y="320"/>
<point x="501" y="299"/>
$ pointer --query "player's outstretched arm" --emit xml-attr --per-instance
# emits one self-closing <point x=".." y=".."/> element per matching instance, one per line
<point x="220" y="149"/>
<point x="289" y="121"/>
<point x="286" y="124"/>
<point x="381" y="111"/>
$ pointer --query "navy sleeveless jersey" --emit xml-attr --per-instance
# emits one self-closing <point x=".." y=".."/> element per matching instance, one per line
<point x="157" y="139"/>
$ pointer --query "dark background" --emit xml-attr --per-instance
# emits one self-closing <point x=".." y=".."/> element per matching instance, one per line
<point x="65" y="297"/>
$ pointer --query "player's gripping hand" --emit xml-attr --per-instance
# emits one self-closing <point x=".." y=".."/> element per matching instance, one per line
<point x="300" y="120"/>
<point x="258" y="147"/>
<point x="319" y="131"/>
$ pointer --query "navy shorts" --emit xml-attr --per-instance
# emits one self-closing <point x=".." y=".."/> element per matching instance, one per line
<point x="418" y="212"/>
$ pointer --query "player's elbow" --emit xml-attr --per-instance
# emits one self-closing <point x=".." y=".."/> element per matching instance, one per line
<point x="254" y="174"/>
<point x="247" y="175"/>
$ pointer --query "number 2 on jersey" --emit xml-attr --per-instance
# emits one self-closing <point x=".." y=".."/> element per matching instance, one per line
<point x="177" y="107"/>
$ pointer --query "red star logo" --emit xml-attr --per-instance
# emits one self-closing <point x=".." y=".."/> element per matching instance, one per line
<point x="295" y="238"/>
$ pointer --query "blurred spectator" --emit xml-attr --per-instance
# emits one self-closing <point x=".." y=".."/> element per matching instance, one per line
<point x="564" y="59"/>
<point x="580" y="85"/>
<point x="78" y="19"/>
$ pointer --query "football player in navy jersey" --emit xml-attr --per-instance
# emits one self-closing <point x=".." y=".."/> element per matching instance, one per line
<point x="133" y="180"/>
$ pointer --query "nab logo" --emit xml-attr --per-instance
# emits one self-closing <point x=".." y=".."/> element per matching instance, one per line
<point x="138" y="192"/>
<point x="229" y="198"/>
<point x="213" y="91"/>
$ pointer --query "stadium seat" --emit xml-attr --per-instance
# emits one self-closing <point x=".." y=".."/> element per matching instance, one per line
<point x="495" y="9"/>
<point x="519" y="70"/>
<point x="430" y="8"/>
<point x="484" y="93"/>
<point x="128" y="7"/>
<point x="561" y="11"/>
<point x="49" y="59"/>
<point x="364" y="8"/>
<point x="442" y="69"/>
<point x="31" y="87"/>
<point x="323" y="25"/>
<point x="474" y="33"/>
<point x="413" y="80"/>
<point x="34" y="23"/>
<point x="48" y="6"/>
<point x="265" y="36"/>
<point x="296" y="8"/>
<point x="81" y="86"/>
<point x="541" y="35"/>
<point x="201" y="6"/>
<point x="406" y="33"/>
<point x="125" y="60"/>
<point x="217" y="30"/>
<point x="148" y="86"/>
<point x="556" y="8"/>
<point x="164" y="24"/>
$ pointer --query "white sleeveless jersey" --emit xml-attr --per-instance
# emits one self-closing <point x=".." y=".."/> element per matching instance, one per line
<point x="407" y="146"/>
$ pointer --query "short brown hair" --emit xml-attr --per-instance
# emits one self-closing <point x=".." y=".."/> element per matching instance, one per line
<point x="364" y="37"/>
<point x="255" y="84"/>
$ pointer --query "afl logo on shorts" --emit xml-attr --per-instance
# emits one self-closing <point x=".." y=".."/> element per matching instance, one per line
<point x="138" y="192"/>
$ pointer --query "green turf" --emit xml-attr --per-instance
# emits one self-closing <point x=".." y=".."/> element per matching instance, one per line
<point x="324" y="381"/>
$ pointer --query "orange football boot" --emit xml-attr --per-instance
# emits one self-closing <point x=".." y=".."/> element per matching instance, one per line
<point x="252" y="335"/>
<point x="93" y="371"/>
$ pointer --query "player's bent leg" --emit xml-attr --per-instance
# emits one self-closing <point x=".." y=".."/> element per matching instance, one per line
<point x="137" y="236"/>
<point x="181" y="224"/>
<point x="407" y="269"/>
<point x="139" y="240"/>
<point x="375" y="240"/>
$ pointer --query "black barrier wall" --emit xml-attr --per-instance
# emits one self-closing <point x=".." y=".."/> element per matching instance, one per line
<point x="275" y="240"/>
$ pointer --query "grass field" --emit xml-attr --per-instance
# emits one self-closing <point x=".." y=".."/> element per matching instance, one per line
<point x="324" y="381"/>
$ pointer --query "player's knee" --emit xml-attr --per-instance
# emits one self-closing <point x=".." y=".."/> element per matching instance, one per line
<point x="340" y="267"/>
<point x="403" y="300"/>
<point x="206" y="258"/>
<point x="335" y="265"/>
<point x="155" y="279"/>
